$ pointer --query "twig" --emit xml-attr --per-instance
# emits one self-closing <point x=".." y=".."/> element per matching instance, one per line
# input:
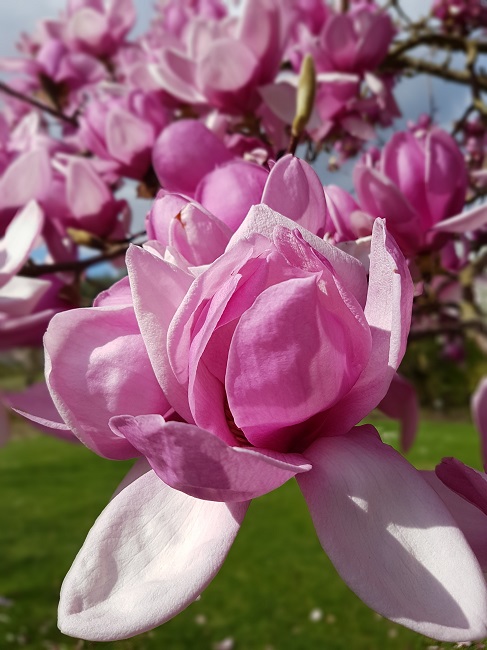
<point x="32" y="270"/>
<point x="34" y="102"/>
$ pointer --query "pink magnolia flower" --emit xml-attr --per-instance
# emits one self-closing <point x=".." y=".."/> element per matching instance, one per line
<point x="191" y="71"/>
<point x="268" y="357"/>
<point x="355" y="41"/>
<point x="98" y="27"/>
<point x="420" y="182"/>
<point x="122" y="127"/>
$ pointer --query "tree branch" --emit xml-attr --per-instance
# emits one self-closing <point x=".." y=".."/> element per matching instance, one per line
<point x="36" y="104"/>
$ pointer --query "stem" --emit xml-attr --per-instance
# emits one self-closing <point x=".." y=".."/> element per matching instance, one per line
<point x="32" y="270"/>
<point x="418" y="65"/>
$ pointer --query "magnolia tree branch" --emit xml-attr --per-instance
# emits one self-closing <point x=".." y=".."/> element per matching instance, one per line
<point x="37" y="104"/>
<point x="408" y="63"/>
<point x="32" y="270"/>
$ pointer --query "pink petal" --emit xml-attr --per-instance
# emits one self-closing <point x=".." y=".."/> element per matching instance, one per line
<point x="467" y="221"/>
<point x="401" y="403"/>
<point x="446" y="175"/>
<point x="261" y="219"/>
<point x="465" y="481"/>
<point x="392" y="539"/>
<point x="151" y="278"/>
<point x="20" y="238"/>
<point x="150" y="553"/>
<point x="97" y="367"/>
<point x="294" y="190"/>
<point x="14" y="191"/>
<point x="388" y="312"/>
<point x="381" y="198"/>
<point x="479" y="413"/>
<point x="184" y="153"/>
<point x="201" y="465"/>
<point x="273" y="382"/>
<point x="471" y="521"/>
<point x="35" y="403"/>
<point x="403" y="161"/>
<point x="229" y="191"/>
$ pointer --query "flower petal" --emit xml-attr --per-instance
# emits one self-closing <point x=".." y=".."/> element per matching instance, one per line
<point x="96" y="367"/>
<point x="479" y="413"/>
<point x="294" y="190"/>
<point x="263" y="220"/>
<point x="465" y="481"/>
<point x="201" y="465"/>
<point x="392" y="539"/>
<point x="150" y="553"/>
<point x="401" y="403"/>
<point x="388" y="312"/>
<point x="471" y="521"/>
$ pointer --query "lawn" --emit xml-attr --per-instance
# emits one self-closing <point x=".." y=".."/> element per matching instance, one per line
<point x="276" y="591"/>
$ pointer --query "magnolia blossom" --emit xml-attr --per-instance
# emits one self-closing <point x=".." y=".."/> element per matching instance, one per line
<point x="227" y="381"/>
<point x="418" y="182"/>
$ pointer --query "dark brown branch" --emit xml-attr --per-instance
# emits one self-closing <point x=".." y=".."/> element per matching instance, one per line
<point x="463" y="77"/>
<point x="444" y="41"/>
<point x="32" y="270"/>
<point x="36" y="104"/>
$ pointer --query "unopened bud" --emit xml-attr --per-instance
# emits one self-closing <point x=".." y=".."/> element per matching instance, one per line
<point x="84" y="238"/>
<point x="306" y="96"/>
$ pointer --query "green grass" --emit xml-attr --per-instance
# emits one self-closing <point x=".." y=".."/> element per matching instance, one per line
<point x="275" y="576"/>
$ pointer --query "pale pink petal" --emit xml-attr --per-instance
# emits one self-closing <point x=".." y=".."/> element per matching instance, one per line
<point x="240" y="64"/>
<point x="392" y="539"/>
<point x="175" y="73"/>
<point x="34" y="165"/>
<point x="86" y="193"/>
<point x="20" y="238"/>
<point x="127" y="136"/>
<point x="201" y="465"/>
<point x="401" y="403"/>
<point x="35" y="403"/>
<point x="467" y="221"/>
<point x="151" y="553"/>
<point x="229" y="191"/>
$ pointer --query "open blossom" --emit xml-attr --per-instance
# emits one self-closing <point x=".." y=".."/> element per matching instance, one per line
<point x="417" y="183"/>
<point x="190" y="69"/>
<point x="263" y="361"/>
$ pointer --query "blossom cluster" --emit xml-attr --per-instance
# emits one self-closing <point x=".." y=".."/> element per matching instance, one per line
<point x="263" y="316"/>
